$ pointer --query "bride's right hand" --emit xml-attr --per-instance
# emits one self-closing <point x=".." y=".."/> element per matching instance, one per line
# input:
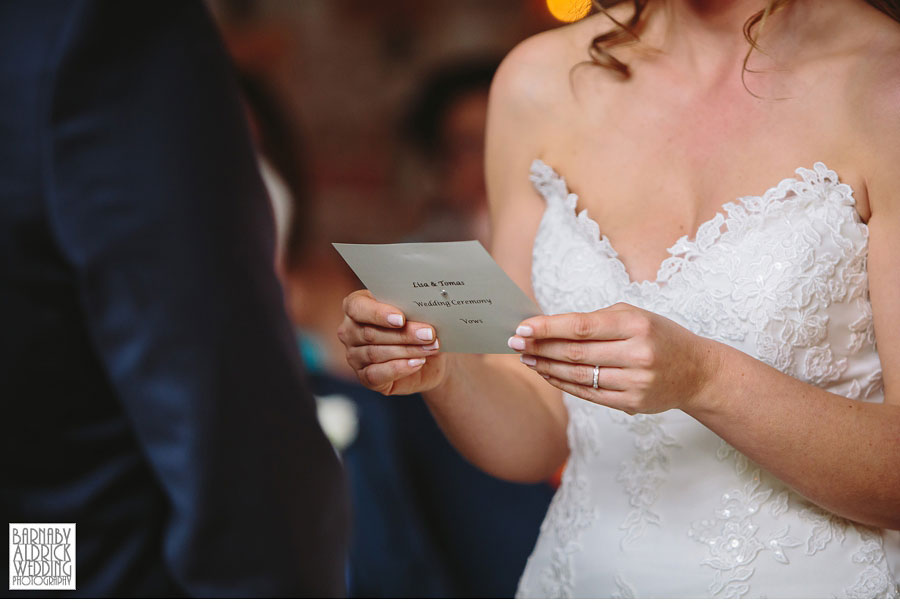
<point x="389" y="354"/>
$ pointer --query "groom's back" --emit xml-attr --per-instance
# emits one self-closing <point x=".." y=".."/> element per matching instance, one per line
<point x="149" y="386"/>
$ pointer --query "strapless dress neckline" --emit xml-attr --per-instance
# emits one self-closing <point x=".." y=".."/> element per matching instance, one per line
<point x="542" y="172"/>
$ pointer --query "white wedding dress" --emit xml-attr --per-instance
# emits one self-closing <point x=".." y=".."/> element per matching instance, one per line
<point x="660" y="506"/>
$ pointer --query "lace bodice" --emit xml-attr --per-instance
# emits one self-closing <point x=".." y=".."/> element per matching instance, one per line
<point x="658" y="505"/>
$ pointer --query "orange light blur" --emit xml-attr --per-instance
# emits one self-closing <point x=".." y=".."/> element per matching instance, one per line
<point x="569" y="10"/>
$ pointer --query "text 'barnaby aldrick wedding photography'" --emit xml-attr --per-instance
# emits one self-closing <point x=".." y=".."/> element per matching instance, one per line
<point x="42" y="556"/>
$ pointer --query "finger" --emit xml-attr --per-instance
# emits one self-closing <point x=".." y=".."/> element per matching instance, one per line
<point x="609" y="378"/>
<point x="616" y="322"/>
<point x="619" y="353"/>
<point x="381" y="376"/>
<point x="613" y="399"/>
<point x="414" y="333"/>
<point x="361" y="356"/>
<point x="365" y="309"/>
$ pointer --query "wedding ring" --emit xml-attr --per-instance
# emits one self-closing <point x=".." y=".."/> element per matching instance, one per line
<point x="596" y="384"/>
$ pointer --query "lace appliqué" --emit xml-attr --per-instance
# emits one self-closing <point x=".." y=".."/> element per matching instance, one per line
<point x="571" y="514"/>
<point x="733" y="542"/>
<point x="644" y="473"/>
<point x="778" y="292"/>
<point x="572" y="510"/>
<point x="875" y="581"/>
<point x="623" y="589"/>
<point x="862" y="330"/>
<point x="733" y="539"/>
<point x="868" y="388"/>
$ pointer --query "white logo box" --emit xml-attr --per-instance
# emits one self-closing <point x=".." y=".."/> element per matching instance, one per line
<point x="42" y="556"/>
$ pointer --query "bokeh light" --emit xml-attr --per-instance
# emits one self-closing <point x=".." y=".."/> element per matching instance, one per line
<point x="569" y="10"/>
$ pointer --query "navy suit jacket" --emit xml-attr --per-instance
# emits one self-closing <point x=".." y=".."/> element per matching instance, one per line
<point x="150" y="386"/>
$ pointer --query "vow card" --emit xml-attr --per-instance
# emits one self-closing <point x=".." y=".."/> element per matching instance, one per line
<point x="456" y="287"/>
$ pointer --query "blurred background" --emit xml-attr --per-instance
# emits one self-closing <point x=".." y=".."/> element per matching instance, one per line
<point x="369" y="118"/>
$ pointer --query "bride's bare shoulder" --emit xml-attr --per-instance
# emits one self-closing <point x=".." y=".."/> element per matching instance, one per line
<point x="875" y="69"/>
<point x="875" y="81"/>
<point x="873" y="101"/>
<point x="535" y="74"/>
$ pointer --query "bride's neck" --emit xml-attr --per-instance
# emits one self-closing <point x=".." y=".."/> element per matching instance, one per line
<point x="710" y="17"/>
<point x="707" y="35"/>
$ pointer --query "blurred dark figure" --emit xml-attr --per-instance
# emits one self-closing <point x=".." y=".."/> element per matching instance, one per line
<point x="445" y="129"/>
<point x="150" y="384"/>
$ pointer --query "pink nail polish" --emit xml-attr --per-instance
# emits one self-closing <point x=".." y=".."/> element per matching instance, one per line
<point x="432" y="346"/>
<point x="524" y="331"/>
<point x="395" y="319"/>
<point x="425" y="334"/>
<point x="516" y="343"/>
<point x="528" y="360"/>
<point x="416" y="361"/>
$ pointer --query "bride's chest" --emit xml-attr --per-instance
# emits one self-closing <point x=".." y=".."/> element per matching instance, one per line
<point x="643" y="215"/>
<point x="662" y="169"/>
<point x="797" y="249"/>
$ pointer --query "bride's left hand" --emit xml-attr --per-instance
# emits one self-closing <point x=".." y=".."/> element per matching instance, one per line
<point x="647" y="363"/>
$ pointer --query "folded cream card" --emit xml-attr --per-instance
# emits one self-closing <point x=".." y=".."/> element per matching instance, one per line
<point x="456" y="287"/>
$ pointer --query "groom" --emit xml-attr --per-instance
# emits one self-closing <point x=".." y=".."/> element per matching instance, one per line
<point x="150" y="387"/>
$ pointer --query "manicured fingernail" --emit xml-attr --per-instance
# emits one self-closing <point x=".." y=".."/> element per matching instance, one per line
<point x="395" y="319"/>
<point x="425" y="334"/>
<point x="524" y="331"/>
<point x="528" y="360"/>
<point x="516" y="343"/>
<point x="432" y="346"/>
<point x="545" y="376"/>
<point x="416" y="361"/>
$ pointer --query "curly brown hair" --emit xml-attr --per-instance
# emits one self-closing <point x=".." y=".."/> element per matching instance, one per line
<point x="630" y="30"/>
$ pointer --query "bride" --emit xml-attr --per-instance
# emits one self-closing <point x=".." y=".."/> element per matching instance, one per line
<point x="707" y="369"/>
